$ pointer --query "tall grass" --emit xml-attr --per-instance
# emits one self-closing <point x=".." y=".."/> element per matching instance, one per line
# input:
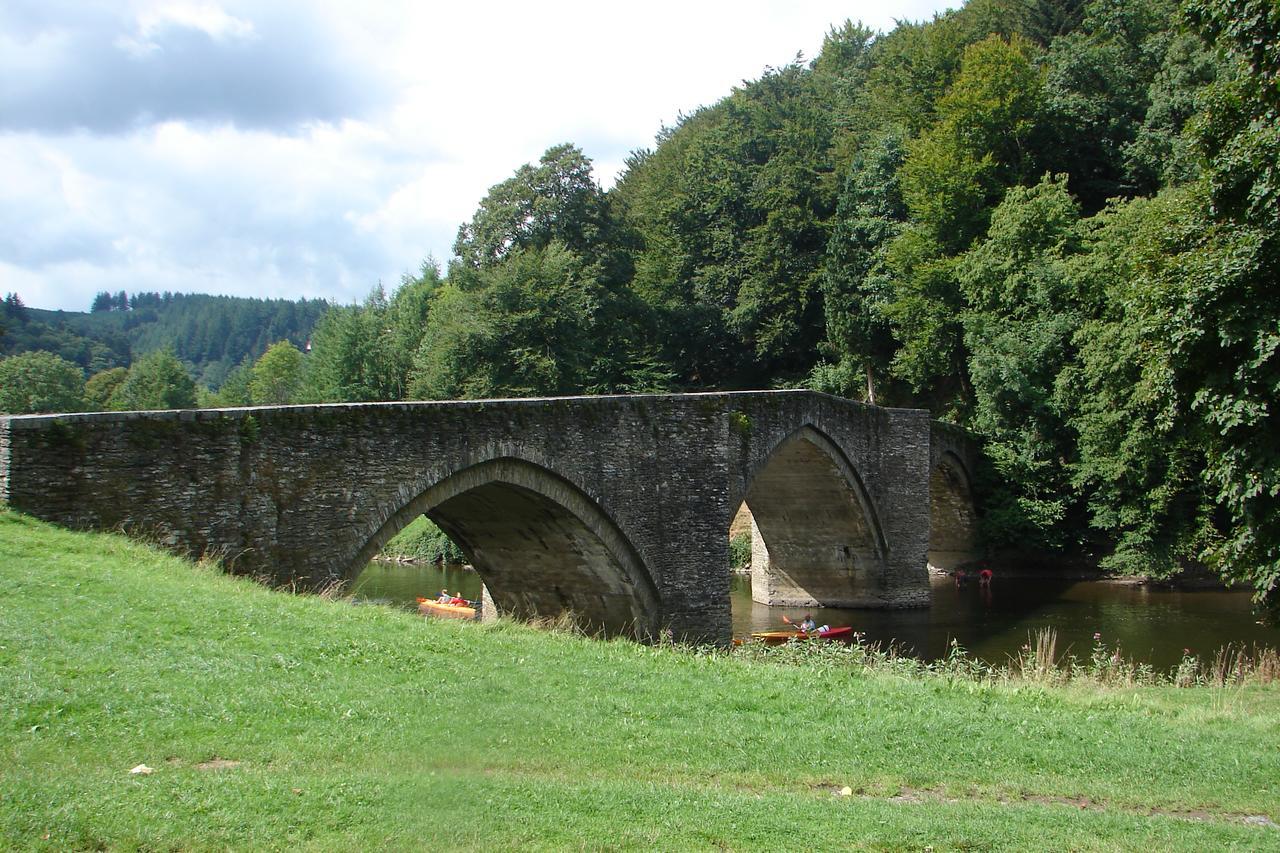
<point x="1037" y="662"/>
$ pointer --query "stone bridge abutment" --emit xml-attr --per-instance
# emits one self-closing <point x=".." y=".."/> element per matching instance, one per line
<point x="616" y="508"/>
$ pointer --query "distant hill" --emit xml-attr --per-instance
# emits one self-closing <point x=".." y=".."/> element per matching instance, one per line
<point x="211" y="334"/>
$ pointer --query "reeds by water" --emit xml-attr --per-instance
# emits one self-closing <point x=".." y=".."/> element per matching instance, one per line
<point x="1040" y="662"/>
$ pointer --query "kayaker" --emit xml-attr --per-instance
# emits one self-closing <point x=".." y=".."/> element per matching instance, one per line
<point x="457" y="599"/>
<point x="807" y="625"/>
<point x="443" y="597"/>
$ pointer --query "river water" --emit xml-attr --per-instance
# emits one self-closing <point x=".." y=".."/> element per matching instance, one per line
<point x="1148" y="624"/>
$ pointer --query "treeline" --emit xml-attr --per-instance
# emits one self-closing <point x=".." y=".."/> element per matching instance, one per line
<point x="211" y="335"/>
<point x="1054" y="222"/>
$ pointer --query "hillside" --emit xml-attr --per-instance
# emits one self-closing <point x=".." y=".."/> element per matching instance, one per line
<point x="211" y="334"/>
<point x="272" y="721"/>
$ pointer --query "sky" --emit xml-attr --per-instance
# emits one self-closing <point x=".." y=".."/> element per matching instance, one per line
<point x="317" y="148"/>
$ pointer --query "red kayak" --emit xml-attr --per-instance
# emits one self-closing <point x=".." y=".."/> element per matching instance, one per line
<point x="773" y="637"/>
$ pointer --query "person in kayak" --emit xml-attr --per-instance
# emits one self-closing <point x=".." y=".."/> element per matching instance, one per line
<point x="807" y="625"/>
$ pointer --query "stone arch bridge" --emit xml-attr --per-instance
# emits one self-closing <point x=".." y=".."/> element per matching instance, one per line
<point x="617" y="508"/>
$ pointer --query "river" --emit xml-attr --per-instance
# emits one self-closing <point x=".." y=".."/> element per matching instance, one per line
<point x="1148" y="624"/>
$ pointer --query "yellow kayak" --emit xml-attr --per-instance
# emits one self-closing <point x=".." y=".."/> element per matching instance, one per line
<point x="427" y="607"/>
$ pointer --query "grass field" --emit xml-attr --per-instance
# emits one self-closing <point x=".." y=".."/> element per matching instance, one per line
<point x="273" y="721"/>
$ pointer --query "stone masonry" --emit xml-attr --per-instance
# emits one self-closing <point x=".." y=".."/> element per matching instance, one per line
<point x="616" y="508"/>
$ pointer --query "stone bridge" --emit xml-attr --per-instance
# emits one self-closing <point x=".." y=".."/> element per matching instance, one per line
<point x="616" y="508"/>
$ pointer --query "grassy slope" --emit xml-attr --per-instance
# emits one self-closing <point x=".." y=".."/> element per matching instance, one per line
<point x="360" y="726"/>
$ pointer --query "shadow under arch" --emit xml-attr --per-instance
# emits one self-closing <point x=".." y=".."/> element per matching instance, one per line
<point x="816" y="537"/>
<point x="541" y="546"/>
<point x="953" y="515"/>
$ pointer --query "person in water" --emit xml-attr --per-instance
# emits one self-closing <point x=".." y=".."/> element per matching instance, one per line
<point x="984" y="577"/>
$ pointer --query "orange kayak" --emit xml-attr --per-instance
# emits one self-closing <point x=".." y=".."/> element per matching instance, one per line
<point x="427" y="607"/>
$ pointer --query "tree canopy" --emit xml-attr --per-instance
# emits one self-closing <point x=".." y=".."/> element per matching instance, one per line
<point x="1053" y="222"/>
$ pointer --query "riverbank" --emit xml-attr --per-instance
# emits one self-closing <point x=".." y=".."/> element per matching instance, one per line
<point x="273" y="721"/>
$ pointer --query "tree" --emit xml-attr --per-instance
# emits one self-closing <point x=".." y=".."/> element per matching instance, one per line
<point x="364" y="353"/>
<point x="1019" y="324"/>
<point x="14" y="307"/>
<point x="856" y="284"/>
<point x="1139" y="456"/>
<point x="234" y="390"/>
<point x="276" y="375"/>
<point x="556" y="200"/>
<point x="986" y="139"/>
<point x="730" y="222"/>
<point x="156" y="381"/>
<point x="1225" y="324"/>
<point x="101" y="386"/>
<point x="544" y="321"/>
<point x="36" y="382"/>
<point x="1119" y="90"/>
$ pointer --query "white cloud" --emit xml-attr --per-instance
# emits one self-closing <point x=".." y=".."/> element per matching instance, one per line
<point x="293" y="148"/>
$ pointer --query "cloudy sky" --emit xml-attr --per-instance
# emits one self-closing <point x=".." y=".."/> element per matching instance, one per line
<point x="291" y="148"/>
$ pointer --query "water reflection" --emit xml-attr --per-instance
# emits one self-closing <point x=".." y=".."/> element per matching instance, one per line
<point x="402" y="583"/>
<point x="1148" y="624"/>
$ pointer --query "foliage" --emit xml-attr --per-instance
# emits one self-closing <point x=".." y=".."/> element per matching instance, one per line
<point x="156" y="381"/>
<point x="276" y="375"/>
<point x="729" y="217"/>
<point x="740" y="552"/>
<point x="99" y="388"/>
<point x="857" y="285"/>
<point x="545" y="322"/>
<point x="1054" y="222"/>
<point x="1022" y="314"/>
<point x="537" y="302"/>
<point x="364" y="353"/>
<point x="421" y="539"/>
<point x="35" y="382"/>
<point x="212" y="334"/>
<point x="1139" y="457"/>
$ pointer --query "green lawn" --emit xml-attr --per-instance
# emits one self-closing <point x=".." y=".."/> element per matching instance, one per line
<point x="279" y="721"/>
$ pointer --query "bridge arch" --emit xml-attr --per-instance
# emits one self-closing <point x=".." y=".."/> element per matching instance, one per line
<point x="816" y="537"/>
<point x="541" y="546"/>
<point x="953" y="516"/>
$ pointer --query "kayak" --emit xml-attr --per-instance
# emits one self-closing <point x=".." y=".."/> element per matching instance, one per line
<point x="773" y="637"/>
<point x="427" y="607"/>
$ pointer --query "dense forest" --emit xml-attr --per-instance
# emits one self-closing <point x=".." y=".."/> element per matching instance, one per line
<point x="1054" y="222"/>
<point x="212" y="335"/>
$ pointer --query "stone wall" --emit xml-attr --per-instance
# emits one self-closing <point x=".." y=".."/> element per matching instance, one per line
<point x="953" y="532"/>
<point x="614" y="507"/>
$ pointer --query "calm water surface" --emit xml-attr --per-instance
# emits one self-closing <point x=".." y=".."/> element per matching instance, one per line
<point x="1148" y="624"/>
